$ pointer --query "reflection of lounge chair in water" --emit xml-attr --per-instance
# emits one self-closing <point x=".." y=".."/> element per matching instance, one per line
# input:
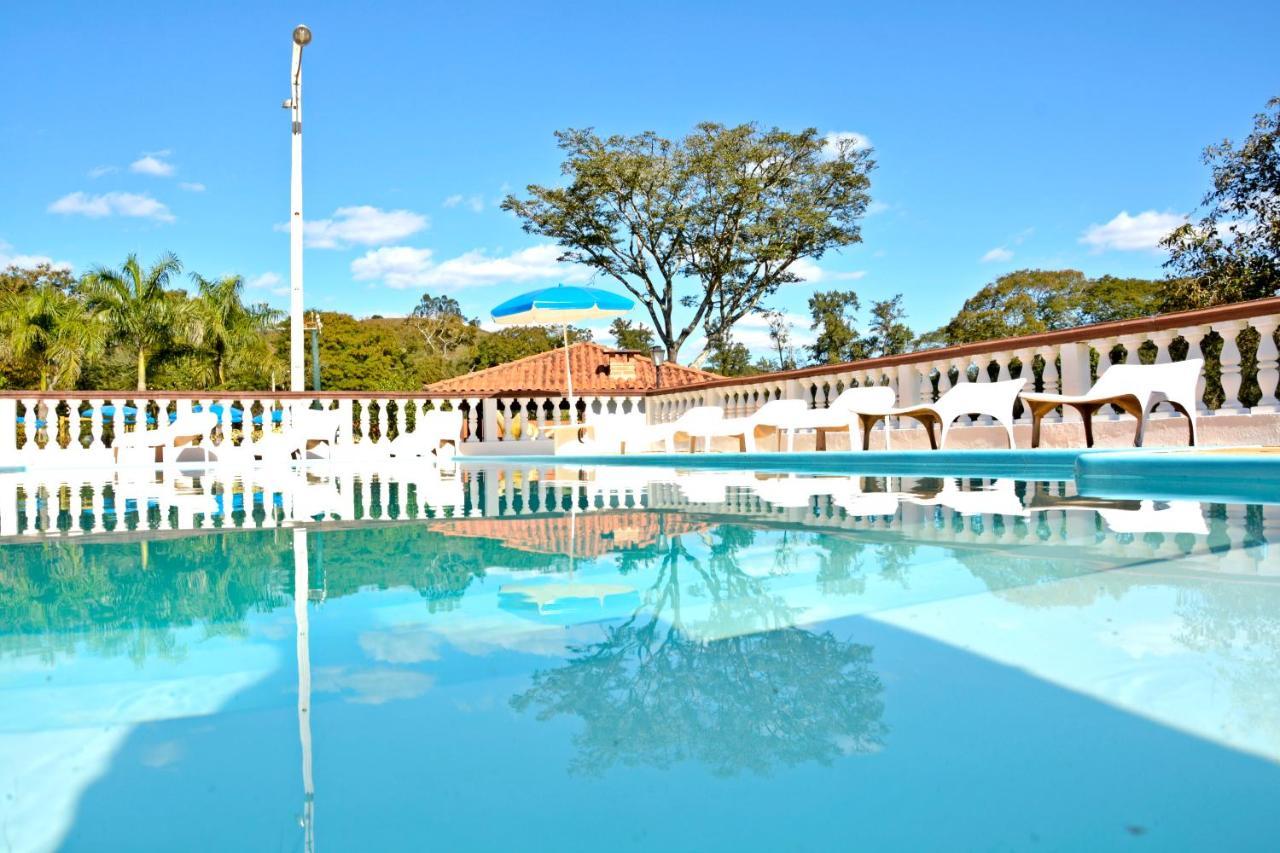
<point x="573" y="599"/>
<point x="1134" y="516"/>
<point x="1000" y="498"/>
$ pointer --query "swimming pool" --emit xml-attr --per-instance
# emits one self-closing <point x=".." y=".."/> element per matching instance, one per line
<point x="506" y="657"/>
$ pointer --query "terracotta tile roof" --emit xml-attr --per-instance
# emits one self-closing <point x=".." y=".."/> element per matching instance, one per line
<point x="594" y="533"/>
<point x="596" y="370"/>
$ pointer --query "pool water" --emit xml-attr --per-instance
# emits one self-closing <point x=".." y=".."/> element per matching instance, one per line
<point x="510" y="658"/>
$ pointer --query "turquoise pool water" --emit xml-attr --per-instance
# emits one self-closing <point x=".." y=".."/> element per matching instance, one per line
<point x="541" y="658"/>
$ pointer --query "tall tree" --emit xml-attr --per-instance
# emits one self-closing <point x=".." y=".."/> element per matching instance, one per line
<point x="228" y="329"/>
<point x="712" y="223"/>
<point x="439" y="320"/>
<point x="834" y="318"/>
<point x="137" y="306"/>
<point x="730" y="358"/>
<point x="1028" y="302"/>
<point x="1233" y="252"/>
<point x="780" y="337"/>
<point x="632" y="336"/>
<point x="888" y="334"/>
<point x="48" y="329"/>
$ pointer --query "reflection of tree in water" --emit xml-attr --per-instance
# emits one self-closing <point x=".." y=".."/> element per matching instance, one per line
<point x="127" y="598"/>
<point x="843" y="562"/>
<point x="1238" y="621"/>
<point x="651" y="693"/>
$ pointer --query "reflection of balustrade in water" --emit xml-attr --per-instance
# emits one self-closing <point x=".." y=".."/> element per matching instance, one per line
<point x="33" y="504"/>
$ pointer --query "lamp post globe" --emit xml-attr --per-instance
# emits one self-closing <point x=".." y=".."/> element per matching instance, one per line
<point x="302" y="35"/>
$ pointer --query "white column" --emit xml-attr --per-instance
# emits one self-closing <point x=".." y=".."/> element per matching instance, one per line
<point x="1230" y="361"/>
<point x="1268" y="374"/>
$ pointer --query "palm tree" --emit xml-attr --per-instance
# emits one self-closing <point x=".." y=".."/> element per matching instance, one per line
<point x="138" y="308"/>
<point x="50" y="329"/>
<point x="228" y="329"/>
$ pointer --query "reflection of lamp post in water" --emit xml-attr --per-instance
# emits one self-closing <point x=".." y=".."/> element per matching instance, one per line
<point x="301" y="588"/>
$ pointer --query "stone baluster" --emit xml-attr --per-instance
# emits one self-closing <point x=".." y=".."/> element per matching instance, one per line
<point x="31" y="425"/>
<point x="1193" y="336"/>
<point x="1132" y="345"/>
<point x="118" y="405"/>
<point x="1163" y="339"/>
<point x="1268" y="369"/>
<point x="1230" y="361"/>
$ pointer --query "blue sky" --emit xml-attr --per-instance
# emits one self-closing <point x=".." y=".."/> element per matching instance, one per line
<point x="1007" y="135"/>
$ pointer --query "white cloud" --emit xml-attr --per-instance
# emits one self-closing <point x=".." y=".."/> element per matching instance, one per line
<point x="152" y="164"/>
<point x="753" y="331"/>
<point x="7" y="259"/>
<point x="810" y="272"/>
<point x="1127" y="233"/>
<point x="362" y="225"/>
<point x="136" y="205"/>
<point x="192" y="186"/>
<point x="269" y="281"/>
<point x="404" y="267"/>
<point x="832" y="141"/>
<point x="877" y="207"/>
<point x="99" y="171"/>
<point x="998" y="255"/>
<point x="474" y="203"/>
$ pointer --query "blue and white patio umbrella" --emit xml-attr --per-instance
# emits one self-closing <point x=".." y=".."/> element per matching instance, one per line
<point x="560" y="306"/>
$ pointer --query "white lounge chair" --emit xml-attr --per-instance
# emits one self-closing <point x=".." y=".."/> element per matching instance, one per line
<point x="995" y="399"/>
<point x="602" y="434"/>
<point x="777" y="417"/>
<point x="698" y="422"/>
<point x="842" y="413"/>
<point x="436" y="433"/>
<point x="1135" y="388"/>
<point x="183" y="432"/>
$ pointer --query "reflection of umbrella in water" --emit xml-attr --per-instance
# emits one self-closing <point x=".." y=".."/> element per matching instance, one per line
<point x="569" y="601"/>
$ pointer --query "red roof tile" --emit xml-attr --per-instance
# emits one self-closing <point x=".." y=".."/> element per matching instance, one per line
<point x="596" y="370"/>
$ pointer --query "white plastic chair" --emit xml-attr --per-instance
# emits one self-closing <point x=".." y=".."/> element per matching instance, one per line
<point x="183" y="432"/>
<point x="1135" y="388"/>
<point x="842" y="413"/>
<point x="995" y="399"/>
<point x="776" y="417"/>
<point x="435" y="433"/>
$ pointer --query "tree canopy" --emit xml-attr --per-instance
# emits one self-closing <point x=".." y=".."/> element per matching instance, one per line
<point x="1233" y="252"/>
<point x="712" y="223"/>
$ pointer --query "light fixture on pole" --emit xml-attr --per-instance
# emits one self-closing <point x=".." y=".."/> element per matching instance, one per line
<point x="297" y="368"/>
<point x="659" y="355"/>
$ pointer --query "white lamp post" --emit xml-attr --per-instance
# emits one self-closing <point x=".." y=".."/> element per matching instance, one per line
<point x="297" y="379"/>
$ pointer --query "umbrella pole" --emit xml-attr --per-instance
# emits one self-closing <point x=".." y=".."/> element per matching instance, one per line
<point x="568" y="378"/>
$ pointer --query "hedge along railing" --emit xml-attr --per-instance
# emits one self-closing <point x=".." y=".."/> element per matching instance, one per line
<point x="1238" y="343"/>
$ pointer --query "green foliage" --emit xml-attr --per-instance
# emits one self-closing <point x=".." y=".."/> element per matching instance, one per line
<point x="516" y="342"/>
<point x="231" y="334"/>
<point x="834" y="319"/>
<point x="729" y="358"/>
<point x="1029" y="302"/>
<point x="143" y="314"/>
<point x="1233" y="252"/>
<point x="633" y="336"/>
<point x="888" y="334"/>
<point x="46" y="335"/>
<point x="712" y="223"/>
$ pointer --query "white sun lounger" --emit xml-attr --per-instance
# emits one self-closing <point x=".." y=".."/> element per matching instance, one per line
<point x="995" y="399"/>
<point x="773" y="418"/>
<point x="842" y="414"/>
<point x="436" y="433"/>
<point x="1135" y="388"/>
<point x="184" y="431"/>
<point x="698" y="422"/>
